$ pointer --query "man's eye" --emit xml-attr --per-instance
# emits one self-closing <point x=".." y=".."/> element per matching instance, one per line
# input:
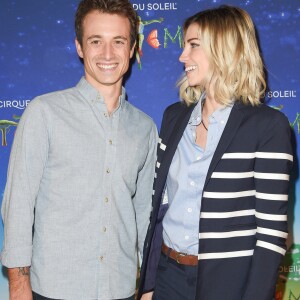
<point x="119" y="42"/>
<point x="94" y="42"/>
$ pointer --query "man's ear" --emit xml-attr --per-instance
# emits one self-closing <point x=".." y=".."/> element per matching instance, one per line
<point x="132" y="50"/>
<point x="79" y="49"/>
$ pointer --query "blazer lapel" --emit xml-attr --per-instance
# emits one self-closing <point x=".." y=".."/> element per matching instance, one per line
<point x="233" y="123"/>
<point x="173" y="142"/>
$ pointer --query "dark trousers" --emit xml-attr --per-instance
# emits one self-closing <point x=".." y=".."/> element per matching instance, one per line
<point x="175" y="281"/>
<point x="39" y="297"/>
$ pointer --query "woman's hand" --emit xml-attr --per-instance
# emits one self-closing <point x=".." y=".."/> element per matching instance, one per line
<point x="147" y="296"/>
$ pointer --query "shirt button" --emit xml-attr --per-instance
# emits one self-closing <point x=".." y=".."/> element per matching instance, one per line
<point x="222" y="122"/>
<point x="189" y="210"/>
<point x="110" y="142"/>
<point x="104" y="229"/>
<point x="101" y="258"/>
<point x="192" y="183"/>
<point x="105" y="115"/>
<point x="186" y="237"/>
<point x="106" y="199"/>
<point x="107" y="171"/>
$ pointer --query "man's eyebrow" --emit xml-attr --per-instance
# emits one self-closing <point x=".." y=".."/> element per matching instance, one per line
<point x="120" y="37"/>
<point x="94" y="36"/>
<point x="100" y="37"/>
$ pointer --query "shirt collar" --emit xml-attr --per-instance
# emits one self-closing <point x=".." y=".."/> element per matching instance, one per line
<point x="92" y="95"/>
<point x="220" y="115"/>
<point x="196" y="115"/>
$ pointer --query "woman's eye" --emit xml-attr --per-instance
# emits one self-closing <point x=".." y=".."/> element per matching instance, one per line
<point x="194" y="45"/>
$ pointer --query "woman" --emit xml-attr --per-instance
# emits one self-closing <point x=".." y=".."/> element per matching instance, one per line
<point x="219" y="223"/>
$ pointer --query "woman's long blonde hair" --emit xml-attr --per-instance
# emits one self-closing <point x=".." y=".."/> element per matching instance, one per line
<point x="227" y="36"/>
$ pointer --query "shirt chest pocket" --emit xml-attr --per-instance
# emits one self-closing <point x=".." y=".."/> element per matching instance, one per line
<point x="132" y="157"/>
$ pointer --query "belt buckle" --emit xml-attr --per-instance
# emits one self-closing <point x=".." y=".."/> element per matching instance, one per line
<point x="178" y="255"/>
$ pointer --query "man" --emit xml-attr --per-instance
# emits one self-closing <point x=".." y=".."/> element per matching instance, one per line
<point x="80" y="173"/>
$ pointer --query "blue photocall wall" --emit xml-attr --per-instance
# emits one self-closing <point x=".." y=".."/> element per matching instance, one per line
<point x="37" y="55"/>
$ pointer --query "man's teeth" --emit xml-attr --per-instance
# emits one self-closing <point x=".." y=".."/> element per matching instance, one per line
<point x="190" y="68"/>
<point x="107" y="67"/>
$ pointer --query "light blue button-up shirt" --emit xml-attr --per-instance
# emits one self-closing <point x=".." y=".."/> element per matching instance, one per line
<point x="88" y="177"/>
<point x="186" y="179"/>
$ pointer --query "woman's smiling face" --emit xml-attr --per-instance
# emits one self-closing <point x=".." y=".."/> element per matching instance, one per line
<point x="193" y="57"/>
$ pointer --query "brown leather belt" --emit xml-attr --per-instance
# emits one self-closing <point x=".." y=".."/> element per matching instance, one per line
<point x="180" y="258"/>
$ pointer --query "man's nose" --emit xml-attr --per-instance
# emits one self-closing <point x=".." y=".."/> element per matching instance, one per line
<point x="108" y="51"/>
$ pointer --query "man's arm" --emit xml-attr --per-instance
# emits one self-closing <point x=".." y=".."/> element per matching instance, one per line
<point x="143" y="197"/>
<point x="26" y="165"/>
<point x="19" y="284"/>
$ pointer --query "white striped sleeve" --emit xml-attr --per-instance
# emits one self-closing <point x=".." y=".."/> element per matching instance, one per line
<point x="272" y="232"/>
<point x="274" y="155"/>
<point x="276" y="197"/>
<point x="272" y="176"/>
<point x="270" y="217"/>
<point x="270" y="246"/>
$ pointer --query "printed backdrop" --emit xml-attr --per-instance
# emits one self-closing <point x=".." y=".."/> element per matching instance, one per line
<point x="37" y="55"/>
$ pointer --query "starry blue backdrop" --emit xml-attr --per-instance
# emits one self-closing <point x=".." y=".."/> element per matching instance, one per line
<point x="37" y="55"/>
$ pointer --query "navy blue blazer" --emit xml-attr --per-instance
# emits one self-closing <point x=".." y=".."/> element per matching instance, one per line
<point x="243" y="218"/>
